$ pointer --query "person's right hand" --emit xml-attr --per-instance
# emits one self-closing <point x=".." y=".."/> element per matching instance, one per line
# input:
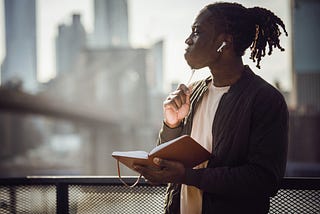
<point x="176" y="106"/>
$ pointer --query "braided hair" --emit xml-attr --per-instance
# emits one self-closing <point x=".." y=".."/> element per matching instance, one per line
<point x="250" y="27"/>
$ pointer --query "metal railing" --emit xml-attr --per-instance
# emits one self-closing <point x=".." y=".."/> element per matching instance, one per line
<point x="108" y="195"/>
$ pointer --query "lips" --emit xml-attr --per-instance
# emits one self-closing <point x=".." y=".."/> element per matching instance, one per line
<point x="187" y="54"/>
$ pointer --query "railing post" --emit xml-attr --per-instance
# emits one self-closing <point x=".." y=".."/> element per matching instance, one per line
<point x="62" y="198"/>
<point x="13" y="200"/>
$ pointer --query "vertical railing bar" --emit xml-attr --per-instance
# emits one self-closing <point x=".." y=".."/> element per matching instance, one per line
<point x="13" y="200"/>
<point x="62" y="198"/>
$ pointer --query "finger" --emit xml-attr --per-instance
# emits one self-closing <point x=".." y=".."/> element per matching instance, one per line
<point x="137" y="168"/>
<point x="140" y="169"/>
<point x="170" y="104"/>
<point x="150" y="176"/>
<point x="153" y="183"/>
<point x="179" y="98"/>
<point x="145" y="171"/>
<point x="178" y="92"/>
<point x="184" y="88"/>
<point x="188" y="99"/>
<point x="172" y="96"/>
<point x="185" y="93"/>
<point x="175" y="92"/>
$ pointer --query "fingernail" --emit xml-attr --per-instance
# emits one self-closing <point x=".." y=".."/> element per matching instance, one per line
<point x="156" y="160"/>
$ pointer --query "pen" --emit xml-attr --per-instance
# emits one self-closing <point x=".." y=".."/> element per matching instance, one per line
<point x="193" y="70"/>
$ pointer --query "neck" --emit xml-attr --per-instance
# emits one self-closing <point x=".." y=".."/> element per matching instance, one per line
<point x="226" y="74"/>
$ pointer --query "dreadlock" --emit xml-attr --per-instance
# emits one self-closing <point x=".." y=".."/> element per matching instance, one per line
<point x="250" y="27"/>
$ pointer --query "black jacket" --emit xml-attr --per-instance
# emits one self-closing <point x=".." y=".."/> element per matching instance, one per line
<point x="250" y="135"/>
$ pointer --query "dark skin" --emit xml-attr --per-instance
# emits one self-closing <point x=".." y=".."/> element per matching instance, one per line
<point x="226" y="68"/>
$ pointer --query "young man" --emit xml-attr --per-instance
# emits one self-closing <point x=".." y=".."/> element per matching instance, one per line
<point x="240" y="118"/>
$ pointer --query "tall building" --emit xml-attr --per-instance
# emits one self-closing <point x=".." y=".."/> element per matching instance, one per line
<point x="306" y="63"/>
<point x="112" y="78"/>
<point x="69" y="43"/>
<point x="113" y="81"/>
<point x="110" y="23"/>
<point x="155" y="72"/>
<point x="20" y="62"/>
<point x="304" y="123"/>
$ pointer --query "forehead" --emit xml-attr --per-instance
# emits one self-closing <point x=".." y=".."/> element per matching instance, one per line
<point x="202" y="18"/>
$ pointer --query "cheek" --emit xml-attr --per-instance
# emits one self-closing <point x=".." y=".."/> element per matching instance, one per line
<point x="201" y="54"/>
<point x="195" y="39"/>
<point x="197" y="60"/>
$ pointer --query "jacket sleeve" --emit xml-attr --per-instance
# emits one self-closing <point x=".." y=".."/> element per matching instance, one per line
<point x="166" y="133"/>
<point x="265" y="164"/>
<point x="172" y="197"/>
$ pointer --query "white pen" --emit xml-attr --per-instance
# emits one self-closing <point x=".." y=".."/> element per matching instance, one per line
<point x="193" y="70"/>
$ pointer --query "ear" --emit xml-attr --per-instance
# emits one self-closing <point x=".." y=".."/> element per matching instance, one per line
<point x="227" y="38"/>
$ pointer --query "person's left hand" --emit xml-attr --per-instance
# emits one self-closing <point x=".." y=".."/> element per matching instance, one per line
<point x="169" y="172"/>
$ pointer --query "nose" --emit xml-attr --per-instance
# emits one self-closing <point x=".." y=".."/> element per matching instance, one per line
<point x="188" y="41"/>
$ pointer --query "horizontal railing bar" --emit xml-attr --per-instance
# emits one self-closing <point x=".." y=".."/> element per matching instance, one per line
<point x="287" y="182"/>
<point x="305" y="183"/>
<point x="72" y="180"/>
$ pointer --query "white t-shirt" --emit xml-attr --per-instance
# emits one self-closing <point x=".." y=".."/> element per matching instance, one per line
<point x="191" y="197"/>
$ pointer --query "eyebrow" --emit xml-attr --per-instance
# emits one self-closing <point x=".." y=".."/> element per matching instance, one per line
<point x="195" y="25"/>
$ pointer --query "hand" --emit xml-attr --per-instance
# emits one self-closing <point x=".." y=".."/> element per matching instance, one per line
<point x="169" y="172"/>
<point x="176" y="106"/>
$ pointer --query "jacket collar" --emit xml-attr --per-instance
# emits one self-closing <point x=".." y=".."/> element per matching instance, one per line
<point x="245" y="78"/>
<point x="241" y="83"/>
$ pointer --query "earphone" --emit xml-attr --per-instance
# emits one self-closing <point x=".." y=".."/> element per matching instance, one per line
<point x="221" y="46"/>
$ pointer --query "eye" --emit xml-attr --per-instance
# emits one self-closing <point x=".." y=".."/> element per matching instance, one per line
<point x="195" y="31"/>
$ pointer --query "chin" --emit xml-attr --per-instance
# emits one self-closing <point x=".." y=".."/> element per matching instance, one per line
<point x="192" y="62"/>
<point x="189" y="62"/>
<point x="193" y="65"/>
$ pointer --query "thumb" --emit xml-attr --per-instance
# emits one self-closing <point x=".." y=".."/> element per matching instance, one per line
<point x="164" y="163"/>
<point x="188" y="95"/>
<point x="160" y="162"/>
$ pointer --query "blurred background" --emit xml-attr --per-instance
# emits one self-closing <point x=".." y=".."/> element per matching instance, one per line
<point x="83" y="78"/>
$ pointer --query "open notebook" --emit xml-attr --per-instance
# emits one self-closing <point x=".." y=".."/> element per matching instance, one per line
<point x="183" y="149"/>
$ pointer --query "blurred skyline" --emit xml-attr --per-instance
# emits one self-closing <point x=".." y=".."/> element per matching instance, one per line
<point x="150" y="21"/>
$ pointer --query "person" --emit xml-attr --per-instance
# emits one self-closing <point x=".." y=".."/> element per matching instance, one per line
<point x="235" y="114"/>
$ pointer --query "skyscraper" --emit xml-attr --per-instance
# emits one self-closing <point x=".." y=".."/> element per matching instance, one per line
<point x="69" y="43"/>
<point x="111" y="23"/>
<point x="304" y="137"/>
<point x="155" y="71"/>
<point x="20" y="62"/>
<point x="306" y="72"/>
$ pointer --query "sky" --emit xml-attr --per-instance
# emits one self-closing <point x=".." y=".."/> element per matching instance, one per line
<point x="149" y="22"/>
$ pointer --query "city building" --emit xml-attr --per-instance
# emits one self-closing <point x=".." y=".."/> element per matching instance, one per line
<point x="306" y="63"/>
<point x="110" y="77"/>
<point x="20" y="63"/>
<point x="71" y="39"/>
<point x="110" y="23"/>
<point x="304" y="123"/>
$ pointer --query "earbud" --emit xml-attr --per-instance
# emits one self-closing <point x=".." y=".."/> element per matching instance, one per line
<point x="221" y="46"/>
